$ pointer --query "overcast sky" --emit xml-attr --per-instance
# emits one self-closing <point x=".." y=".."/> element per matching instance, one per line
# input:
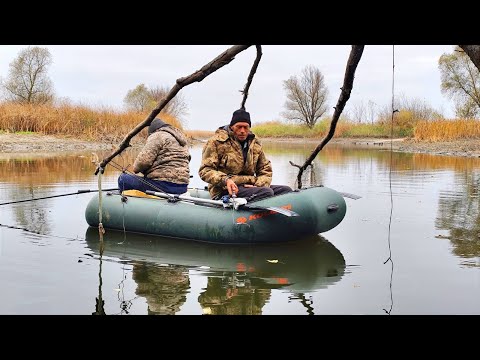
<point x="101" y="75"/>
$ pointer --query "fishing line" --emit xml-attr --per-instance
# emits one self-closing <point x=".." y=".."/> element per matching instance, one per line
<point x="38" y="232"/>
<point x="390" y="180"/>
<point x="125" y="305"/>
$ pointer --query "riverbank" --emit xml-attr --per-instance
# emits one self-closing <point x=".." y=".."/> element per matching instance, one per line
<point x="10" y="143"/>
<point x="462" y="147"/>
<point x="35" y="142"/>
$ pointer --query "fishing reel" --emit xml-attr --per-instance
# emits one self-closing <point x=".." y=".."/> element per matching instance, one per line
<point x="232" y="201"/>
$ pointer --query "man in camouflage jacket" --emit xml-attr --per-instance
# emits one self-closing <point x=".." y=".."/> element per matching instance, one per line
<point x="233" y="162"/>
<point x="163" y="161"/>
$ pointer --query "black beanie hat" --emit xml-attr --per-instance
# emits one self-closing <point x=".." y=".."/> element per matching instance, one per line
<point x="240" y="115"/>
<point x="155" y="125"/>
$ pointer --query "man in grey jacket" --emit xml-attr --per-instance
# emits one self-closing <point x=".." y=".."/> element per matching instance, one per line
<point x="163" y="161"/>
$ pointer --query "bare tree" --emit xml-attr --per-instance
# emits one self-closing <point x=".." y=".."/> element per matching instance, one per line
<point x="177" y="107"/>
<point x="371" y="111"/>
<point x="419" y="108"/>
<point x="411" y="110"/>
<point x="460" y="81"/>
<point x="306" y="96"/>
<point x="359" y="112"/>
<point x="28" y="80"/>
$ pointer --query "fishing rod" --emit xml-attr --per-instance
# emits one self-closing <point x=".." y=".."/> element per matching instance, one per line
<point x="54" y="196"/>
<point x="230" y="202"/>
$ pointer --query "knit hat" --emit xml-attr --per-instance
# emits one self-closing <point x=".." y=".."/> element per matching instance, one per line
<point x="240" y="115"/>
<point x="155" y="125"/>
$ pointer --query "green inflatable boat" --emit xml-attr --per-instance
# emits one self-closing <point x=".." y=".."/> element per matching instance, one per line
<point x="194" y="216"/>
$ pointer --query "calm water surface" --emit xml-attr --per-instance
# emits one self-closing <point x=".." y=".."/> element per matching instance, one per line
<point x="50" y="261"/>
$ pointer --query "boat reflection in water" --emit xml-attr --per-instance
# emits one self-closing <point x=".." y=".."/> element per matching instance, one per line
<point x="240" y="277"/>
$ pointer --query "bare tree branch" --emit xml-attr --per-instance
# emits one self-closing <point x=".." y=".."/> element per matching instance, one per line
<point x="250" y="76"/>
<point x="353" y="60"/>
<point x="473" y="52"/>
<point x="221" y="60"/>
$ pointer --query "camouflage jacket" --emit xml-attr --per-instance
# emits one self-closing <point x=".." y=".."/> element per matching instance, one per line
<point x="222" y="157"/>
<point x="165" y="156"/>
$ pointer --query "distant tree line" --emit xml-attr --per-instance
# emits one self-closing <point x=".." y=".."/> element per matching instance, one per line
<point x="306" y="95"/>
<point x="28" y="82"/>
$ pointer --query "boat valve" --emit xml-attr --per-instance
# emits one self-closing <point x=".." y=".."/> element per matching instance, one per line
<point x="332" y="208"/>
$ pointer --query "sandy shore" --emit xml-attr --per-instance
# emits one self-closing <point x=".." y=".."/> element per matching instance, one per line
<point x="10" y="143"/>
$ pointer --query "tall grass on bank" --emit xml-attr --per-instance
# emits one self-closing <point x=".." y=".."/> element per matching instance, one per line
<point x="344" y="129"/>
<point x="447" y="130"/>
<point x="276" y="129"/>
<point x="199" y="134"/>
<point x="81" y="122"/>
<point x="107" y="125"/>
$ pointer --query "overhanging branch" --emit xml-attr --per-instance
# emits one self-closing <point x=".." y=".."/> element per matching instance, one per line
<point x="250" y="76"/>
<point x="353" y="60"/>
<point x="221" y="60"/>
<point x="473" y="52"/>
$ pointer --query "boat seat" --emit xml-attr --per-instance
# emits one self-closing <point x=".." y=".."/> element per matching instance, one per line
<point x="137" y="193"/>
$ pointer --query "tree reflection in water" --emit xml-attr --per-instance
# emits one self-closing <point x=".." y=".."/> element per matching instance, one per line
<point x="30" y="176"/>
<point x="33" y="216"/>
<point x="459" y="213"/>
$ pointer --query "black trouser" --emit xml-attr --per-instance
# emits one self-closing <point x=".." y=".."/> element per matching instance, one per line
<point x="258" y="193"/>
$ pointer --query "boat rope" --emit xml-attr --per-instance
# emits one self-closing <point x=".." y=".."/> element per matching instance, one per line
<point x="99" y="302"/>
<point x="101" y="230"/>
<point x="390" y="181"/>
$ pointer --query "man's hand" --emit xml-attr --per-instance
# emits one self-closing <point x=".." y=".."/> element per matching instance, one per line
<point x="231" y="187"/>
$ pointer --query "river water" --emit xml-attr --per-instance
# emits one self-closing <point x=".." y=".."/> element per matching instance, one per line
<point x="410" y="245"/>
